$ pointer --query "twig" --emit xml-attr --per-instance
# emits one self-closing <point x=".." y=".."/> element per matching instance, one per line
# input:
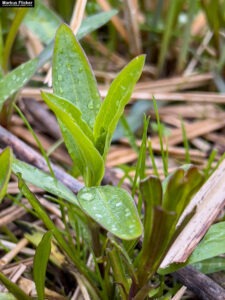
<point x="27" y="154"/>
<point x="203" y="286"/>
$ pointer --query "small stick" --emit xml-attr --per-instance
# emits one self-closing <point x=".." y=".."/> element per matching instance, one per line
<point x="27" y="154"/>
<point x="203" y="286"/>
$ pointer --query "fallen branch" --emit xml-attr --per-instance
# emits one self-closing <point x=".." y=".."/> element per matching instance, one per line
<point x="201" y="285"/>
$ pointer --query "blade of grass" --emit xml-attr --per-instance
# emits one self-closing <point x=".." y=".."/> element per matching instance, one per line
<point x="13" y="288"/>
<point x="174" y="8"/>
<point x="164" y="156"/>
<point x="20" y="14"/>
<point x="40" y="264"/>
<point x="36" y="139"/>
<point x="185" y="141"/>
<point x="88" y="276"/>
<point x="151" y="154"/>
<point x="182" y="58"/>
<point x="140" y="167"/>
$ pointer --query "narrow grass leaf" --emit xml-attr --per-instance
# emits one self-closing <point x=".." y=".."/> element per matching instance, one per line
<point x="13" y="288"/>
<point x="81" y="267"/>
<point x="18" y="77"/>
<point x="113" y="106"/>
<point x="5" y="171"/>
<point x="185" y="141"/>
<point x="84" y="153"/>
<point x="72" y="75"/>
<point x="113" y="208"/>
<point x="35" y="236"/>
<point x="11" y="36"/>
<point x="40" y="264"/>
<point x="151" y="191"/>
<point x="43" y="180"/>
<point x="42" y="21"/>
<point x="140" y="167"/>
<point x="164" y="156"/>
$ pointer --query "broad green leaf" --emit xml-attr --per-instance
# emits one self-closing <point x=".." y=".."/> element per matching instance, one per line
<point x="181" y="186"/>
<point x="24" y="72"/>
<point x="151" y="257"/>
<point x="43" y="180"/>
<point x="42" y="21"/>
<point x="71" y="110"/>
<point x="210" y="265"/>
<point x="84" y="153"/>
<point x="212" y="244"/>
<point x="113" y="208"/>
<point x="72" y="75"/>
<point x="41" y="258"/>
<point x="5" y="171"/>
<point x="88" y="25"/>
<point x="16" y="79"/>
<point x="13" y="288"/>
<point x="113" y="106"/>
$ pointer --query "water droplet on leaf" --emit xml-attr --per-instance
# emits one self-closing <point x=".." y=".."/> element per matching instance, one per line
<point x="87" y="196"/>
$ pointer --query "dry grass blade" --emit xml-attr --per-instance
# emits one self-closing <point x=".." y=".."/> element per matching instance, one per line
<point x="208" y="201"/>
<point x="131" y="12"/>
<point x="10" y="255"/>
<point x="77" y="16"/>
<point x="115" y="20"/>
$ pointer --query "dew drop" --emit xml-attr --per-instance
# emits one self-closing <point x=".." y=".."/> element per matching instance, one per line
<point x="61" y="90"/>
<point x="14" y="77"/>
<point x="119" y="204"/>
<point x="87" y="196"/>
<point x="98" y="216"/>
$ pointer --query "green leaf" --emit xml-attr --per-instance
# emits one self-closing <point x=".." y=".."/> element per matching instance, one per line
<point x="71" y="110"/>
<point x="13" y="288"/>
<point x="43" y="181"/>
<point x="113" y="208"/>
<point x="6" y="296"/>
<point x="42" y="215"/>
<point x="210" y="265"/>
<point x="94" y="22"/>
<point x="72" y="75"/>
<point x="113" y="106"/>
<point x="81" y="148"/>
<point x="181" y="186"/>
<point x="40" y="264"/>
<point x="42" y="21"/>
<point x="151" y="191"/>
<point x="16" y="79"/>
<point x="212" y="244"/>
<point x="5" y="171"/>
